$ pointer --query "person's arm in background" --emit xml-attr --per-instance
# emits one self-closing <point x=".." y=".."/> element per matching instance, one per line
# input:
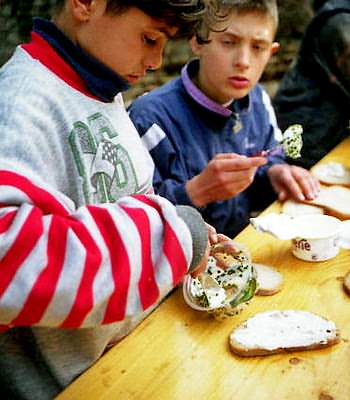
<point x="334" y="46"/>
<point x="315" y="91"/>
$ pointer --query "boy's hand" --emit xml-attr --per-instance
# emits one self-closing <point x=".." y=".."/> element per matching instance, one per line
<point x="290" y="181"/>
<point x="213" y="238"/>
<point x="224" y="177"/>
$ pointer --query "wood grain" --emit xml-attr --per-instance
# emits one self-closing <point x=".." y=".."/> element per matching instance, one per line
<point x="178" y="353"/>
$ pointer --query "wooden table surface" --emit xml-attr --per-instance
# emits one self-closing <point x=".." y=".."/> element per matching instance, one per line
<point x="178" y="353"/>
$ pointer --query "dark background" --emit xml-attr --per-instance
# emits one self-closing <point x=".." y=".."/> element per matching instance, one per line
<point x="16" y="21"/>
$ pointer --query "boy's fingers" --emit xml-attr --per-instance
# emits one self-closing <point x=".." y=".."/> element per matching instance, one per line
<point x="307" y="188"/>
<point x="212" y="235"/>
<point x="282" y="195"/>
<point x="223" y="238"/>
<point x="308" y="184"/>
<point x="296" y="191"/>
<point x="203" y="263"/>
<point x="236" y="164"/>
<point x="227" y="156"/>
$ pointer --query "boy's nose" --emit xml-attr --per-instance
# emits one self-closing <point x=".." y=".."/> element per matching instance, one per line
<point x="242" y="58"/>
<point x="154" y="60"/>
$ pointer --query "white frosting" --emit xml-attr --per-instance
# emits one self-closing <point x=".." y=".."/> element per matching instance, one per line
<point x="296" y="209"/>
<point x="284" y="329"/>
<point x="279" y="225"/>
<point x="267" y="277"/>
<point x="333" y="172"/>
<point x="312" y="226"/>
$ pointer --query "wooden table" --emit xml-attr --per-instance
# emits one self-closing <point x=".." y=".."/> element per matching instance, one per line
<point x="181" y="354"/>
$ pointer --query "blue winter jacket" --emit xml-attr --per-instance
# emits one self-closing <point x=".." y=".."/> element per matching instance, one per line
<point x="183" y="130"/>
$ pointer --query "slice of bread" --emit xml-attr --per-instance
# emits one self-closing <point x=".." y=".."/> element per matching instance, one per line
<point x="269" y="280"/>
<point x="346" y="283"/>
<point x="335" y="200"/>
<point x="272" y="332"/>
<point x="295" y="209"/>
<point x="332" y="173"/>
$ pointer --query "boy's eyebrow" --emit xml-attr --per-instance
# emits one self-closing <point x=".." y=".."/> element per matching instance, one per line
<point x="167" y="31"/>
<point x="256" y="38"/>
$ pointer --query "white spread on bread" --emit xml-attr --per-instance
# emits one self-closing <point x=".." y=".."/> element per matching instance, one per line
<point x="269" y="280"/>
<point x="279" y="225"/>
<point x="335" y="200"/>
<point x="295" y="209"/>
<point x="271" y="330"/>
<point x="332" y="173"/>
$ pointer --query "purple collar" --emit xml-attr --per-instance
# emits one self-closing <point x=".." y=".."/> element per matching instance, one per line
<point x="198" y="95"/>
<point x="189" y="70"/>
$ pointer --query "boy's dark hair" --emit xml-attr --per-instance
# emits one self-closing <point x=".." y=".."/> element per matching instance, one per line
<point x="190" y="16"/>
<point x="242" y="6"/>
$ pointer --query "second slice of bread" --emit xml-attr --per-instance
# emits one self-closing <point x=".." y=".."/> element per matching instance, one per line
<point x="269" y="280"/>
<point x="332" y="173"/>
<point x="295" y="209"/>
<point x="278" y="331"/>
<point x="335" y="200"/>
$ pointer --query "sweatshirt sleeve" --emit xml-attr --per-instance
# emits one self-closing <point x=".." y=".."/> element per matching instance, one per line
<point x="68" y="267"/>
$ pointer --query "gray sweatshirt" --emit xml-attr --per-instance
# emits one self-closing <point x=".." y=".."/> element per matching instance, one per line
<point x="87" y="250"/>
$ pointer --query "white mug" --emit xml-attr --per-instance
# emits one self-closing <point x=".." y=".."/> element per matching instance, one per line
<point x="315" y="237"/>
<point x="318" y="237"/>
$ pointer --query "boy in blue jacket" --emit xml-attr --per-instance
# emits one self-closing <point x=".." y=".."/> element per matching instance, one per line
<point x="204" y="128"/>
<point x="87" y="249"/>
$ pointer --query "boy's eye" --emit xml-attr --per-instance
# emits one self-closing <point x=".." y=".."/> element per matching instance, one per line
<point x="259" y="47"/>
<point x="149" y="40"/>
<point x="228" y="42"/>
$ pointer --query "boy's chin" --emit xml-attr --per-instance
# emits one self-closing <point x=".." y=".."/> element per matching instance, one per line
<point x="239" y="94"/>
<point x="228" y="100"/>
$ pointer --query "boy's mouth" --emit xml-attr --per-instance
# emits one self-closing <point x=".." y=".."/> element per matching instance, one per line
<point x="133" y="78"/>
<point x="239" y="82"/>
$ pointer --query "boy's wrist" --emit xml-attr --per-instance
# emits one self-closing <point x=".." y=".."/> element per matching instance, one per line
<point x="195" y="195"/>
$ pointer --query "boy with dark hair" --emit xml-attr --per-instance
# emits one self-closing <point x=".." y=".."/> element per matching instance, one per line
<point x="203" y="129"/>
<point x="315" y="91"/>
<point x="82" y="261"/>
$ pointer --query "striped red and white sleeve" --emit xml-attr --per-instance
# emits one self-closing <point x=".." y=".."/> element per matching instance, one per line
<point x="71" y="268"/>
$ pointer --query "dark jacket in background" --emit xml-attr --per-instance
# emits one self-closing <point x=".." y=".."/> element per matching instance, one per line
<point x="315" y="92"/>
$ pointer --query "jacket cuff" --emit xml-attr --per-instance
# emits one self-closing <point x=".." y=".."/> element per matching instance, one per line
<point x="183" y="198"/>
<point x="199" y="233"/>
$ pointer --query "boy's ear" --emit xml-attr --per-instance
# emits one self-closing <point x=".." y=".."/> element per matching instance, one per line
<point x="275" y="47"/>
<point x="82" y="9"/>
<point x="195" y="46"/>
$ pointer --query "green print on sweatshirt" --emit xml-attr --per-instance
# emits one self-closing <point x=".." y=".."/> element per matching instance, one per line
<point x="104" y="165"/>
